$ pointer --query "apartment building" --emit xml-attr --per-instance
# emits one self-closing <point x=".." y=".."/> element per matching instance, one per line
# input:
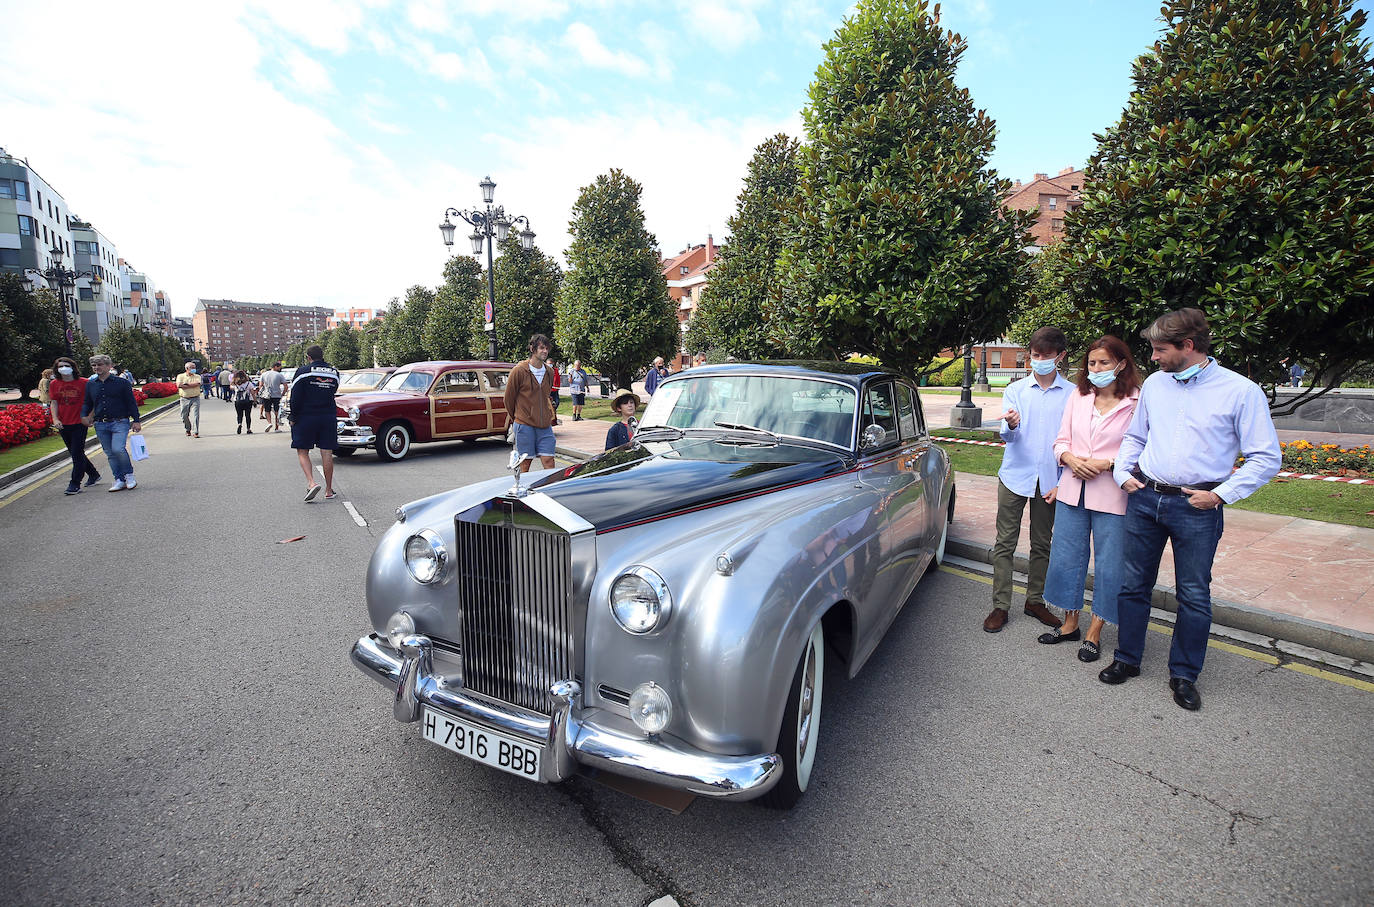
<point x="140" y="298"/>
<point x="1053" y="197"/>
<point x="100" y="297"/>
<point x="226" y="328"/>
<point x="687" y="275"/>
<point x="33" y="221"/>
<point x="354" y="318"/>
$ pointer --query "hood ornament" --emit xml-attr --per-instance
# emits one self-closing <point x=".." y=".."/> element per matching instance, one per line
<point x="516" y="461"/>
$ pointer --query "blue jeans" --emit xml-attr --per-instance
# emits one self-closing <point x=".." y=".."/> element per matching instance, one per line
<point x="1073" y="527"/>
<point x="1151" y="520"/>
<point x="114" y="439"/>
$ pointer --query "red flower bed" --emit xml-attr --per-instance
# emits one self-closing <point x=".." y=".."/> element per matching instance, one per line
<point x="158" y="389"/>
<point x="23" y="423"/>
<point x="141" y="398"/>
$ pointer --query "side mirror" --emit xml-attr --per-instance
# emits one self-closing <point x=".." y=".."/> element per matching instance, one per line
<point x="872" y="437"/>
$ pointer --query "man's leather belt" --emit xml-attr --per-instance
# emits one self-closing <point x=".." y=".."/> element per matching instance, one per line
<point x="1170" y="489"/>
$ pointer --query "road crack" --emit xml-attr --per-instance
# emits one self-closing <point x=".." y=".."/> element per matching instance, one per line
<point x="1236" y="815"/>
<point x="625" y="853"/>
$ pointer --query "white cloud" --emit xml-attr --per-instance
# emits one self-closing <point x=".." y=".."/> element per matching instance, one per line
<point x="582" y="40"/>
<point x="522" y="53"/>
<point x="724" y="23"/>
<point x="525" y="10"/>
<point x="308" y="73"/>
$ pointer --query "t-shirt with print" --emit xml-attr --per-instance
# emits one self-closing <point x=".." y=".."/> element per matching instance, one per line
<point x="68" y="395"/>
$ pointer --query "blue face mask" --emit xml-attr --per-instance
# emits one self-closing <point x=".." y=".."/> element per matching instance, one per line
<point x="1101" y="379"/>
<point x="1043" y="366"/>
<point x="1188" y="372"/>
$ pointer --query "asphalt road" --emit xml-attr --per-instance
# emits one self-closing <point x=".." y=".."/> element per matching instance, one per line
<point x="181" y="725"/>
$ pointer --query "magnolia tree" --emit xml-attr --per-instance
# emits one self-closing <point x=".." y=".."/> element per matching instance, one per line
<point x="1240" y="180"/>
<point x="526" y="297"/>
<point x="897" y="242"/>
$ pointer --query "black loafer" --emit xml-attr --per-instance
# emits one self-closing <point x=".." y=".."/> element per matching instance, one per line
<point x="91" y="480"/>
<point x="1050" y="639"/>
<point x="1118" y="672"/>
<point x="1089" y="652"/>
<point x="1185" y="694"/>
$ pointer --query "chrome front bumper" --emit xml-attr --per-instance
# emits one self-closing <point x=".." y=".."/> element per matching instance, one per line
<point x="571" y="738"/>
<point x="353" y="435"/>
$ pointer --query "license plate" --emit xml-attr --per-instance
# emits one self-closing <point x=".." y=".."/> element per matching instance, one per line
<point x="481" y="744"/>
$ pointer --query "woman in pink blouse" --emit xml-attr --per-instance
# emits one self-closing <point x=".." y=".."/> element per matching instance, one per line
<point x="1089" y="504"/>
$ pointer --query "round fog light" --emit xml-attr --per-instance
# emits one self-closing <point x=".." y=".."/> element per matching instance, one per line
<point x="398" y="627"/>
<point x="650" y="708"/>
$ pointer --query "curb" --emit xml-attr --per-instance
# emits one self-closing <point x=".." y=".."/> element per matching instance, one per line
<point x="58" y="456"/>
<point x="1269" y="624"/>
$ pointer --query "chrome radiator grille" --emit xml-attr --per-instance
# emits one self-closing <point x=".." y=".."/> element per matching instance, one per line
<point x="515" y="611"/>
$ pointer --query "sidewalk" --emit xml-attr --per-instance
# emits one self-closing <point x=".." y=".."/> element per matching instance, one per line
<point x="1281" y="578"/>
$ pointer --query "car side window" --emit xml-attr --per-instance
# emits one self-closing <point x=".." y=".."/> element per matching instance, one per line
<point x="909" y="413"/>
<point x="417" y="382"/>
<point x="880" y="409"/>
<point x="495" y="381"/>
<point x="456" y="383"/>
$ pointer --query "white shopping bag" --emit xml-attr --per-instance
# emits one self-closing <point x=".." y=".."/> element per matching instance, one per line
<point x="138" y="448"/>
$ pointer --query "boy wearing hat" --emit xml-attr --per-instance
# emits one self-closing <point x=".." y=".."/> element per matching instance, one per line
<point x="626" y="403"/>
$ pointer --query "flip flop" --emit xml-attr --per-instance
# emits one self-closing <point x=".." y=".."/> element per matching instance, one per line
<point x="331" y="495"/>
<point x="312" y="493"/>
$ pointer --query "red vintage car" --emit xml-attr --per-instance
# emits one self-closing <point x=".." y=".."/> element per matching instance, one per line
<point x="425" y="401"/>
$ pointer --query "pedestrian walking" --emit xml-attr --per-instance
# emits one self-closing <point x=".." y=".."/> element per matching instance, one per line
<point x="208" y="380"/>
<point x="189" y="384"/>
<point x="312" y="419"/>
<point x="109" y="405"/>
<point x="577" y="388"/>
<point x="273" y="385"/>
<point x="43" y="381"/>
<point x="554" y="397"/>
<point x="1090" y="507"/>
<point x="657" y="372"/>
<point x="125" y="373"/>
<point x="1033" y="407"/>
<point x="528" y="397"/>
<point x="1177" y="464"/>
<point x="226" y="378"/>
<point x="66" y="393"/>
<point x="245" y="396"/>
<point x="1295" y="374"/>
<point x="624" y="404"/>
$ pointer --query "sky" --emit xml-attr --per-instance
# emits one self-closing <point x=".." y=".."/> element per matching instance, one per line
<point x="304" y="152"/>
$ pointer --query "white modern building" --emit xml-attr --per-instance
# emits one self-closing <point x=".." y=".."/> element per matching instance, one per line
<point x="100" y="297"/>
<point x="34" y="220"/>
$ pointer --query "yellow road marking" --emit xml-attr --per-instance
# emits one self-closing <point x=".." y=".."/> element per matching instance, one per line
<point x="1265" y="657"/>
<point x="34" y="486"/>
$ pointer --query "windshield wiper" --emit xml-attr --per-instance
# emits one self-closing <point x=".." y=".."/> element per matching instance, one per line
<point x="668" y="431"/>
<point x="740" y="426"/>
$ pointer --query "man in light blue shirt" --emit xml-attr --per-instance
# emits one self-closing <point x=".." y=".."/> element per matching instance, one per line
<point x="1176" y="463"/>
<point x="1032" y="408"/>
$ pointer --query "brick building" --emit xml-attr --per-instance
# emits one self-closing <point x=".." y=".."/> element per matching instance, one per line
<point x="687" y="275"/>
<point x="225" y="328"/>
<point x="354" y="318"/>
<point x="1053" y="197"/>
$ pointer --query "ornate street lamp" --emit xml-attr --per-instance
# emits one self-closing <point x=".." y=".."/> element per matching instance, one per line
<point x="64" y="280"/>
<point x="964" y="414"/>
<point x="490" y="226"/>
<point x="981" y="383"/>
<point x="161" y="323"/>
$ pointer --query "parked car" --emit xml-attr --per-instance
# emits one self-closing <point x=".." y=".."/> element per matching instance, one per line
<point x="665" y="610"/>
<point x="422" y="402"/>
<point x="354" y="380"/>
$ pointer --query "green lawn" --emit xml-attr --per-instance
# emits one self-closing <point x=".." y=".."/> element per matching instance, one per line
<point x="595" y="408"/>
<point x="1330" y="502"/>
<point x="27" y="453"/>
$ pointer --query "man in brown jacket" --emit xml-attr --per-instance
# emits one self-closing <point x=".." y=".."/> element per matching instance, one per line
<point x="528" y="402"/>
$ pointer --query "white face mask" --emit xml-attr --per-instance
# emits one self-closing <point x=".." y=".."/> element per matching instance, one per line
<point x="65" y="371"/>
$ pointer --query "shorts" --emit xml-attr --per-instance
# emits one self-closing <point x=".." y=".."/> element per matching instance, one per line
<point x="273" y="404"/>
<point x="579" y="399"/>
<point x="315" y="431"/>
<point x="533" y="441"/>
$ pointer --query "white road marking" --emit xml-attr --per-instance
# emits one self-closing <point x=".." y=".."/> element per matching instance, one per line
<point x="353" y="511"/>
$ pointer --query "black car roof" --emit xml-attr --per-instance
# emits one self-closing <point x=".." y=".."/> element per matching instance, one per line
<point x="850" y="372"/>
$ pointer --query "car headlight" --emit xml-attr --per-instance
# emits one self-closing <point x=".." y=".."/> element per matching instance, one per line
<point x="426" y="556"/>
<point x="398" y="627"/>
<point x="353" y="413"/>
<point x="640" y="600"/>
<point x="650" y="708"/>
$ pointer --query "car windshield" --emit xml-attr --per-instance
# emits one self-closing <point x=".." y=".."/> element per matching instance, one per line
<point x="407" y="382"/>
<point x="361" y="381"/>
<point x="809" y="408"/>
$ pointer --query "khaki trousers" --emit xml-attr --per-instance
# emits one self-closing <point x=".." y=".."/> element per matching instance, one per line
<point x="1010" y="507"/>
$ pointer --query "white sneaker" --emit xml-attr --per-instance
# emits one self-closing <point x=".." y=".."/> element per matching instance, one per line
<point x="117" y="485"/>
<point x="130" y="482"/>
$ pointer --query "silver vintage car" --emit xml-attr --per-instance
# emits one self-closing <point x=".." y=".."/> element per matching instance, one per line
<point x="664" y="611"/>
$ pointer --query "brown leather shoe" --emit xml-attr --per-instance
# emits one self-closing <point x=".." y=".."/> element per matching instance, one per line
<point x="1042" y="614"/>
<point x="995" y="621"/>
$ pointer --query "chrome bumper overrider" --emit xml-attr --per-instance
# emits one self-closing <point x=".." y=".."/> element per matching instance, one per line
<point x="569" y="740"/>
<point x="353" y="435"/>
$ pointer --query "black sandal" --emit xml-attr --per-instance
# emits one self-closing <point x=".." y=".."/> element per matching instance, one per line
<point x="1089" y="652"/>
<point x="1050" y="639"/>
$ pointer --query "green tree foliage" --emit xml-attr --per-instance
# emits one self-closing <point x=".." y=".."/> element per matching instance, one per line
<point x="1048" y="303"/>
<point x="898" y="243"/>
<point x="30" y="333"/>
<point x="390" y="319"/>
<point x="1240" y="180"/>
<point x="526" y="293"/>
<point x="405" y="337"/>
<point x="613" y="309"/>
<point x="294" y="357"/>
<point x="341" y="349"/>
<point x="456" y="304"/>
<point x="729" y="319"/>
